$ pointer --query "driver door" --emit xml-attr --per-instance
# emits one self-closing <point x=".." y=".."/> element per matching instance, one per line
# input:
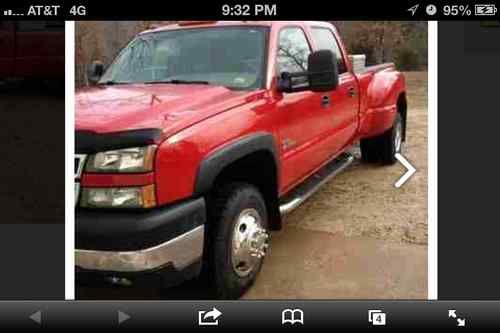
<point x="303" y="116"/>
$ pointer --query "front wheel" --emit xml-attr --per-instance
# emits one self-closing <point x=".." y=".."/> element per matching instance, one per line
<point x="238" y="239"/>
<point x="384" y="147"/>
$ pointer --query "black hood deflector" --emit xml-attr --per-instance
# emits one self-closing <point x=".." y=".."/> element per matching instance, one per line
<point x="88" y="142"/>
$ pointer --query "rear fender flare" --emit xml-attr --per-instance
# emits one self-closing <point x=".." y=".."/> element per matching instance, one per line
<point x="382" y="97"/>
<point x="385" y="88"/>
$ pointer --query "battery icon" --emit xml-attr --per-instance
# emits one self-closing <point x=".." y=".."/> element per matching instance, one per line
<point x="486" y="10"/>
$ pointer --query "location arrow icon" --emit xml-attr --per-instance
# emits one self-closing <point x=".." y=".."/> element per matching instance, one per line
<point x="413" y="9"/>
<point x="410" y="170"/>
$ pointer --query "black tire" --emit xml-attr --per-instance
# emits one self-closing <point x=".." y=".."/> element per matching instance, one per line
<point x="369" y="151"/>
<point x="226" y="205"/>
<point x="384" y="147"/>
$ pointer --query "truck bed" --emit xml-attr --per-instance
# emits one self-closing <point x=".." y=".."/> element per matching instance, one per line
<point x="376" y="68"/>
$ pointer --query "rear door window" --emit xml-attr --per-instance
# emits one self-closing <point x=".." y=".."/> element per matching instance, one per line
<point x="325" y="40"/>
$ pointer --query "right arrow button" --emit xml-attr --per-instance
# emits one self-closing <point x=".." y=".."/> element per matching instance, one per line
<point x="408" y="174"/>
<point x="122" y="317"/>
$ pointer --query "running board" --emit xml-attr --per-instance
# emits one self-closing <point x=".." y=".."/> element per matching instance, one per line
<point x="297" y="196"/>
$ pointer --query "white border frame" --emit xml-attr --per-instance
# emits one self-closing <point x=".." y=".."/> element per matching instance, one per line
<point x="432" y="161"/>
<point x="432" y="154"/>
<point x="69" y="232"/>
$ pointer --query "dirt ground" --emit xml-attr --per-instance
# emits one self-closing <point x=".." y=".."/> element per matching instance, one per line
<point x="359" y="237"/>
<point x="32" y="148"/>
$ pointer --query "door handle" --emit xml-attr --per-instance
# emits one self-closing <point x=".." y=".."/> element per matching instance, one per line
<point x="325" y="101"/>
<point x="351" y="92"/>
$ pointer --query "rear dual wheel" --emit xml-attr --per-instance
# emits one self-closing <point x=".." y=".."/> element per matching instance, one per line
<point x="383" y="148"/>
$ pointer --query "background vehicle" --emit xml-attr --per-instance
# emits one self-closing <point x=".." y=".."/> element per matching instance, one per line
<point x="32" y="49"/>
<point x="200" y="136"/>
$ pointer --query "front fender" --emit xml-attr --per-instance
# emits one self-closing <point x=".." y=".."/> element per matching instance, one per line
<point x="211" y="166"/>
<point x="183" y="156"/>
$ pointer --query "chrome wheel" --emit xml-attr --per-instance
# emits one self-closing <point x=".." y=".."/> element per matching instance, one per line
<point x="249" y="243"/>
<point x="398" y="136"/>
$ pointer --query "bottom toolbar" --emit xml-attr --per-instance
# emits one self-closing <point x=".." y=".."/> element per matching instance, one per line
<point x="250" y="314"/>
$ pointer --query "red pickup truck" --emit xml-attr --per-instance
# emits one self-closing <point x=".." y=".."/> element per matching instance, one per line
<point x="32" y="49"/>
<point x="201" y="136"/>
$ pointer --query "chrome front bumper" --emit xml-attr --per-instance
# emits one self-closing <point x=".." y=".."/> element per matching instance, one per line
<point x="180" y="252"/>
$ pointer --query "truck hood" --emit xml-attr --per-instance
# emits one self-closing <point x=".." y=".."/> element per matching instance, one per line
<point x="171" y="108"/>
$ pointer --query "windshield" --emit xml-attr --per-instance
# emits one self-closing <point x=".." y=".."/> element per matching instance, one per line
<point x="230" y="56"/>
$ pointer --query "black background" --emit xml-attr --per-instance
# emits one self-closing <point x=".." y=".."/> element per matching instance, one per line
<point x="32" y="262"/>
<point x="210" y="10"/>
<point x="32" y="256"/>
<point x="32" y="187"/>
<point x="469" y="120"/>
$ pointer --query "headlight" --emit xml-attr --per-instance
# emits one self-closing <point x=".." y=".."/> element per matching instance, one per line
<point x="119" y="197"/>
<point x="130" y="160"/>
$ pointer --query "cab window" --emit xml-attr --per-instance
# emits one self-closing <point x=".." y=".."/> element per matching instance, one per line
<point x="293" y="50"/>
<point x="325" y="40"/>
